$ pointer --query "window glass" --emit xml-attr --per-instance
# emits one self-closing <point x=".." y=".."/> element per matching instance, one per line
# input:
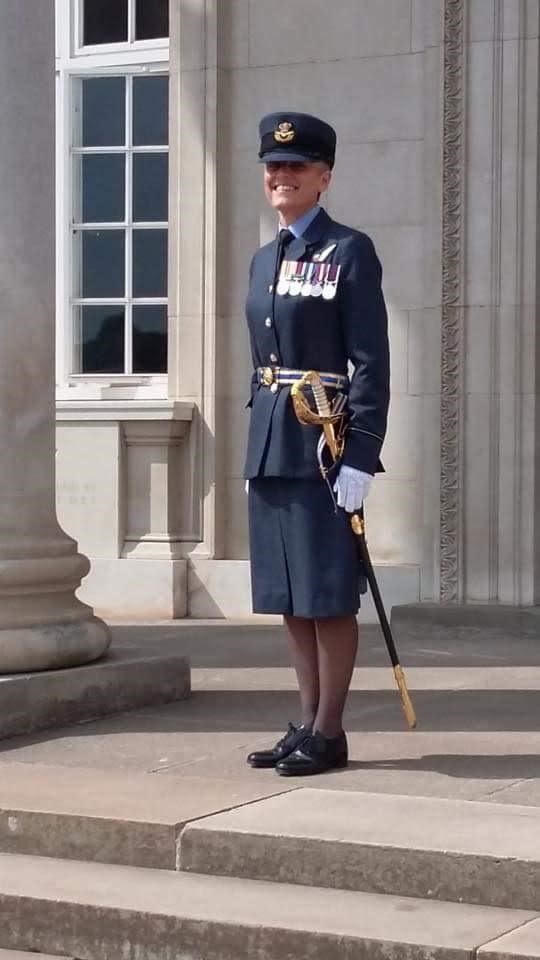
<point x="149" y="263"/>
<point x="150" y="339"/>
<point x="103" y="112"/>
<point x="103" y="267"/>
<point x="101" y="339"/>
<point x="152" y="19"/>
<point x="102" y="178"/>
<point x="106" y="21"/>
<point x="150" y="187"/>
<point x="150" y="111"/>
<point x="120" y="183"/>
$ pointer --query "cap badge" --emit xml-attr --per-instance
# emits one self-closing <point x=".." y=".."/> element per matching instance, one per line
<point x="284" y="132"/>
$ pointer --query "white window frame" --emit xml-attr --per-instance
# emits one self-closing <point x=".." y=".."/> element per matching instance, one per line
<point x="135" y="58"/>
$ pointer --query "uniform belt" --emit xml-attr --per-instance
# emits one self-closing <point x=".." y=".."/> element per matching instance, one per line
<point x="282" y="376"/>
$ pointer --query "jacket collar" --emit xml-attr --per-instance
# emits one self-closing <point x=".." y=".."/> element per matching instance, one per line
<point x="316" y="230"/>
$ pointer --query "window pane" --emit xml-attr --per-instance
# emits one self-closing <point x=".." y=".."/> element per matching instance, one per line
<point x="149" y="263"/>
<point x="104" y="112"/>
<point x="103" y="268"/>
<point x="152" y="19"/>
<point x="150" y="111"/>
<point x="150" y="186"/>
<point x="101" y="344"/>
<point x="102" y="187"/>
<point x="105" y="21"/>
<point x="150" y="339"/>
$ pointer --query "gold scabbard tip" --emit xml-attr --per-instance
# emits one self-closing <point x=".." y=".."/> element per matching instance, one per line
<point x="406" y="701"/>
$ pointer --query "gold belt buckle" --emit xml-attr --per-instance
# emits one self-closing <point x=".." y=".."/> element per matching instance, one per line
<point x="267" y="376"/>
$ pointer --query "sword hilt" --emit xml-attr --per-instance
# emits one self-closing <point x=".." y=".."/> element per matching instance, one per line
<point x="321" y="400"/>
<point x="323" y="417"/>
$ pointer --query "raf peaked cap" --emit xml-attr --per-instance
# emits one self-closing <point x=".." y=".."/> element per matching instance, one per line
<point x="296" y="137"/>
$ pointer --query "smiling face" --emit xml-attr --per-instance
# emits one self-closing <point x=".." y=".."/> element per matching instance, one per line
<point x="294" y="188"/>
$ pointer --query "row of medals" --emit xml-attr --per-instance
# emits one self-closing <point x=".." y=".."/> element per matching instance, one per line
<point x="308" y="279"/>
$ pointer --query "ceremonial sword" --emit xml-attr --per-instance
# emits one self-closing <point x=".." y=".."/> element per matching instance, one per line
<point x="329" y="419"/>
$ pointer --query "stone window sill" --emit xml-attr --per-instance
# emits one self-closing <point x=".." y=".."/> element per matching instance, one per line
<point x="122" y="410"/>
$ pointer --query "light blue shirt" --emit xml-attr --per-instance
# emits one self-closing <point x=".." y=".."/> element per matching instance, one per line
<point x="300" y="226"/>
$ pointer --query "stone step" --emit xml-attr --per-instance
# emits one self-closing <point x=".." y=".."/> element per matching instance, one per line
<point x="478" y="623"/>
<point x="132" y="674"/>
<point x="523" y="943"/>
<point x="453" y="850"/>
<point x="102" y="912"/>
<point x="24" y="955"/>
<point x="107" y="815"/>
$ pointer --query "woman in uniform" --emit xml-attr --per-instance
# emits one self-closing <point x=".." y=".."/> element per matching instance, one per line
<point x="314" y="303"/>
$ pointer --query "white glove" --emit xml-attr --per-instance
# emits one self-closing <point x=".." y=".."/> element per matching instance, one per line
<point x="352" y="487"/>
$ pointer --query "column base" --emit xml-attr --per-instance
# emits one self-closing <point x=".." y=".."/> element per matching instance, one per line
<point x="52" y="645"/>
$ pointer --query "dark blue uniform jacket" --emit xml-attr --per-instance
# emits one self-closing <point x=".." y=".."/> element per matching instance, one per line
<point x="312" y="333"/>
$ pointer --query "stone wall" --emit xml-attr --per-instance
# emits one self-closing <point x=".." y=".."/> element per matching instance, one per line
<point x="435" y="103"/>
<point x="359" y="66"/>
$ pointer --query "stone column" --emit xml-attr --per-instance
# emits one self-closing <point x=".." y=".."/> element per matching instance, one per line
<point x="490" y="492"/>
<point x="42" y="624"/>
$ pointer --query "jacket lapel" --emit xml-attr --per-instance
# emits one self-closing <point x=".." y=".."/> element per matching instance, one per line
<point x="313" y="235"/>
<point x="297" y="248"/>
<point x="317" y="228"/>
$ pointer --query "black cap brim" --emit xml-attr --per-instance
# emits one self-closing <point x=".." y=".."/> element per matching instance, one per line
<point x="288" y="156"/>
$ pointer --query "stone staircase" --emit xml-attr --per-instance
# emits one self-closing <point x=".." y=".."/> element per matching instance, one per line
<point x="20" y="955"/>
<point x="305" y="873"/>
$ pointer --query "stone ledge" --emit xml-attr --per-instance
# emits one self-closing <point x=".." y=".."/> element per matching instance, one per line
<point x="110" y="816"/>
<point x="19" y="955"/>
<point x="414" y="621"/>
<point x="96" y="910"/>
<point x="523" y="943"/>
<point x="449" y="850"/>
<point x="140" y="589"/>
<point x="129" y="676"/>
<point x="124" y="410"/>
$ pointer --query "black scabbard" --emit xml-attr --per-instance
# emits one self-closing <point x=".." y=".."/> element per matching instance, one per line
<point x="365" y="558"/>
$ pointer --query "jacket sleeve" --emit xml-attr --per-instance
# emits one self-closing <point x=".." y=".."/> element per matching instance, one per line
<point x="254" y="384"/>
<point x="365" y="332"/>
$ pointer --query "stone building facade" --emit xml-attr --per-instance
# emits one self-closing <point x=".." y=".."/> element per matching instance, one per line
<point x="435" y="103"/>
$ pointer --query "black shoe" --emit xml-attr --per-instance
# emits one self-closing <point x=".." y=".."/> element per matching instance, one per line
<point x="282" y="749"/>
<point x="315" y="754"/>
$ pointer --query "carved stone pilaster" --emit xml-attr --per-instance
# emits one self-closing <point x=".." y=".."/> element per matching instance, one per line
<point x="452" y="303"/>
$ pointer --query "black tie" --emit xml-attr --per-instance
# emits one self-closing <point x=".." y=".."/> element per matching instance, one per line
<point x="285" y="237"/>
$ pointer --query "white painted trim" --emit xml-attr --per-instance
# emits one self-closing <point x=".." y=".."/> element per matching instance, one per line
<point x="97" y="388"/>
<point x="131" y="21"/>
<point x="72" y="60"/>
<point x="118" y="301"/>
<point x="74" y="49"/>
<point x="140" y="56"/>
<point x="128" y="336"/>
<point x="124" y="410"/>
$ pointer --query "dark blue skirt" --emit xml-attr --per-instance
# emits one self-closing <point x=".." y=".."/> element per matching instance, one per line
<point x="304" y="560"/>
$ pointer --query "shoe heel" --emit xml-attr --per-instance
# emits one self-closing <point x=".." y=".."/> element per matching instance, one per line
<point x="342" y="761"/>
